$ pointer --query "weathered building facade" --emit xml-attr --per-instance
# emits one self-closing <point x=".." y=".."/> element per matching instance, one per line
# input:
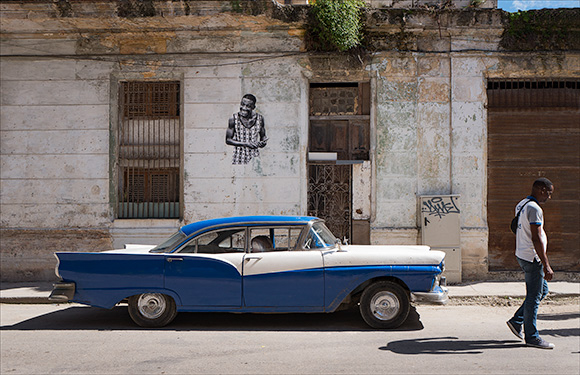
<point x="114" y="118"/>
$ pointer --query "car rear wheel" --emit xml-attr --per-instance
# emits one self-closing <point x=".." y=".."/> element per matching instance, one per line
<point x="385" y="304"/>
<point x="152" y="309"/>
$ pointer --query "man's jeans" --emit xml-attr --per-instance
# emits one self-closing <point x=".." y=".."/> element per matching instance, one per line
<point x="536" y="290"/>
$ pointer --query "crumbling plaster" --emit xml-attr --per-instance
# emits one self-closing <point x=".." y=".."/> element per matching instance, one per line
<point x="428" y="136"/>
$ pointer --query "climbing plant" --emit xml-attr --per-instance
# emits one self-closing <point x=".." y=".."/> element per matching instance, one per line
<point x="542" y="30"/>
<point x="337" y="24"/>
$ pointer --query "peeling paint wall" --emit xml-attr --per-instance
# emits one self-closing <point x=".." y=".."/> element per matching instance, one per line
<point x="270" y="184"/>
<point x="59" y="77"/>
<point x="419" y="3"/>
<point x="27" y="253"/>
<point x="60" y="74"/>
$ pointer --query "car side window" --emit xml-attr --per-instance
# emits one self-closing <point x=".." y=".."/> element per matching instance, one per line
<point x="311" y="241"/>
<point x="266" y="239"/>
<point x="217" y="242"/>
<point x="319" y="237"/>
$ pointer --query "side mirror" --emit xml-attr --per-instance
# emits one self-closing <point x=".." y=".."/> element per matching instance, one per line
<point x="338" y="245"/>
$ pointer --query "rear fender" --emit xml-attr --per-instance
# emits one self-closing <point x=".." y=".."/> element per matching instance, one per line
<point x="105" y="279"/>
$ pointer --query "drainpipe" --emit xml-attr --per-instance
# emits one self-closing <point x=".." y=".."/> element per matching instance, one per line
<point x="450" y="116"/>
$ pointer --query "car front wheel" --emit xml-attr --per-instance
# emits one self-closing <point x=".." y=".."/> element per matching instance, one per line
<point x="385" y="304"/>
<point x="152" y="309"/>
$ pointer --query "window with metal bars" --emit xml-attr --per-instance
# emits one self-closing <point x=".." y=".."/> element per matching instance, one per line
<point x="149" y="150"/>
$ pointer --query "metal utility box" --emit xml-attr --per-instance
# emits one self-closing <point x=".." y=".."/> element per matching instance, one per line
<point x="440" y="229"/>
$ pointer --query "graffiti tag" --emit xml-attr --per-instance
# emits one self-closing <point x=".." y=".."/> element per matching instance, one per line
<point x="440" y="206"/>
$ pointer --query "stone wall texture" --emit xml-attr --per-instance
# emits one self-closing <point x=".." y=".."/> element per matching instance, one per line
<point x="61" y="66"/>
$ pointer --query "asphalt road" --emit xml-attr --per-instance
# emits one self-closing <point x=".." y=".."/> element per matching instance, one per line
<point x="456" y="339"/>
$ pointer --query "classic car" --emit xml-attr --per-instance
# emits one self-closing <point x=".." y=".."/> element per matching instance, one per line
<point x="254" y="264"/>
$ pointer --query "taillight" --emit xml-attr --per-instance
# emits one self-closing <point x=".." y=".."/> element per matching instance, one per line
<point x="56" y="268"/>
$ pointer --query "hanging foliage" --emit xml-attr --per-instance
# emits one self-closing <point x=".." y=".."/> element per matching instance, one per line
<point x="337" y="24"/>
<point x="542" y="30"/>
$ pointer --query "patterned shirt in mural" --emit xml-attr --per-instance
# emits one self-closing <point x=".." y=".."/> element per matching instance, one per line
<point x="242" y="154"/>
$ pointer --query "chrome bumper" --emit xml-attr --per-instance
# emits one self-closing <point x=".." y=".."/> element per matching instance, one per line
<point x="437" y="296"/>
<point x="62" y="292"/>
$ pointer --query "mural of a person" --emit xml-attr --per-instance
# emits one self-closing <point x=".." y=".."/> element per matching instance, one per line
<point x="246" y="131"/>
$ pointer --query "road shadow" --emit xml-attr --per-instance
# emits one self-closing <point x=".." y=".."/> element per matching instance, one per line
<point x="558" y="317"/>
<point x="93" y="318"/>
<point x="448" y="345"/>
<point x="562" y="332"/>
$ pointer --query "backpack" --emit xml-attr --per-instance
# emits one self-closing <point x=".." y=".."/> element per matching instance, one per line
<point x="516" y="219"/>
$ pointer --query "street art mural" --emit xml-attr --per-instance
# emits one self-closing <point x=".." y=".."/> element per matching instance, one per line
<point x="246" y="131"/>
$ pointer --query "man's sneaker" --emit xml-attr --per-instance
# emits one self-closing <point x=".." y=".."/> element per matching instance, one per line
<point x="515" y="331"/>
<point x="541" y="343"/>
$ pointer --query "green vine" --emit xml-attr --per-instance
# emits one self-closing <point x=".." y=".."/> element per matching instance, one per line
<point x="136" y="8"/>
<point x="236" y="6"/>
<point x="64" y="8"/>
<point x="337" y="24"/>
<point x="542" y="30"/>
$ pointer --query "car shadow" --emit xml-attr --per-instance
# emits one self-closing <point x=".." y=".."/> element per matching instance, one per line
<point x="93" y="318"/>
<point x="448" y="345"/>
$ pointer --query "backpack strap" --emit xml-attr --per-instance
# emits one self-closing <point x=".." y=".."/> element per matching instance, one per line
<point x="520" y="211"/>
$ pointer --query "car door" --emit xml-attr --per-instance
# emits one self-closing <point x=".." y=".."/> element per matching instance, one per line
<point x="206" y="272"/>
<point x="280" y="277"/>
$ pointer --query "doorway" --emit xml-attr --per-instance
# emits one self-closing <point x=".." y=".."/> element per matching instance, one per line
<point x="339" y="137"/>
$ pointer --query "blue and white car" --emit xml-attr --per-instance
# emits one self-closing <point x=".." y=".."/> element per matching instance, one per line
<point x="254" y="264"/>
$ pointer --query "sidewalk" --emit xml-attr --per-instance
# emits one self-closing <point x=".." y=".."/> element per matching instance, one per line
<point x="36" y="293"/>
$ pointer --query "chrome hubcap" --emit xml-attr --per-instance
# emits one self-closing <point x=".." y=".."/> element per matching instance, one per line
<point x="385" y="305"/>
<point x="151" y="305"/>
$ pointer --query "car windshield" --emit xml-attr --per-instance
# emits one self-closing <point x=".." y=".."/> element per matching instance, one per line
<point x="319" y="236"/>
<point x="170" y="243"/>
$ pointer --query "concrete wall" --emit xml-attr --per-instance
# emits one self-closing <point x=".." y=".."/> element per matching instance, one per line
<point x="409" y="3"/>
<point x="59" y="80"/>
<point x="422" y="3"/>
<point x="430" y="140"/>
<point x="270" y="184"/>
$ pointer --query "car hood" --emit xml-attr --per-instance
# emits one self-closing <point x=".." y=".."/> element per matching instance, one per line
<point x="378" y="254"/>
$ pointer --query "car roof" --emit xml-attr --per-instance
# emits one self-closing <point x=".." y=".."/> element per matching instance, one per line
<point x="245" y="221"/>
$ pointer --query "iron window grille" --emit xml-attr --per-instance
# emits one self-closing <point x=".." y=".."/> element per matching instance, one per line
<point x="149" y="150"/>
<point x="533" y="93"/>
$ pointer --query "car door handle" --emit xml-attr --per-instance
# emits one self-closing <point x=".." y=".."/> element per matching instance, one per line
<point x="253" y="257"/>
<point x="174" y="259"/>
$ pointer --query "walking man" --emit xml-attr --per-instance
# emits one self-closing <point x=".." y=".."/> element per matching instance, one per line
<point x="531" y="254"/>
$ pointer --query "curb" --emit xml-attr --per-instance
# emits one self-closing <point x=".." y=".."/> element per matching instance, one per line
<point x="550" y="295"/>
<point x="45" y="301"/>
<point x="26" y="301"/>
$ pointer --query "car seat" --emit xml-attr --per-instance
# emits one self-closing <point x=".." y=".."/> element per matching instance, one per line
<point x="261" y="244"/>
